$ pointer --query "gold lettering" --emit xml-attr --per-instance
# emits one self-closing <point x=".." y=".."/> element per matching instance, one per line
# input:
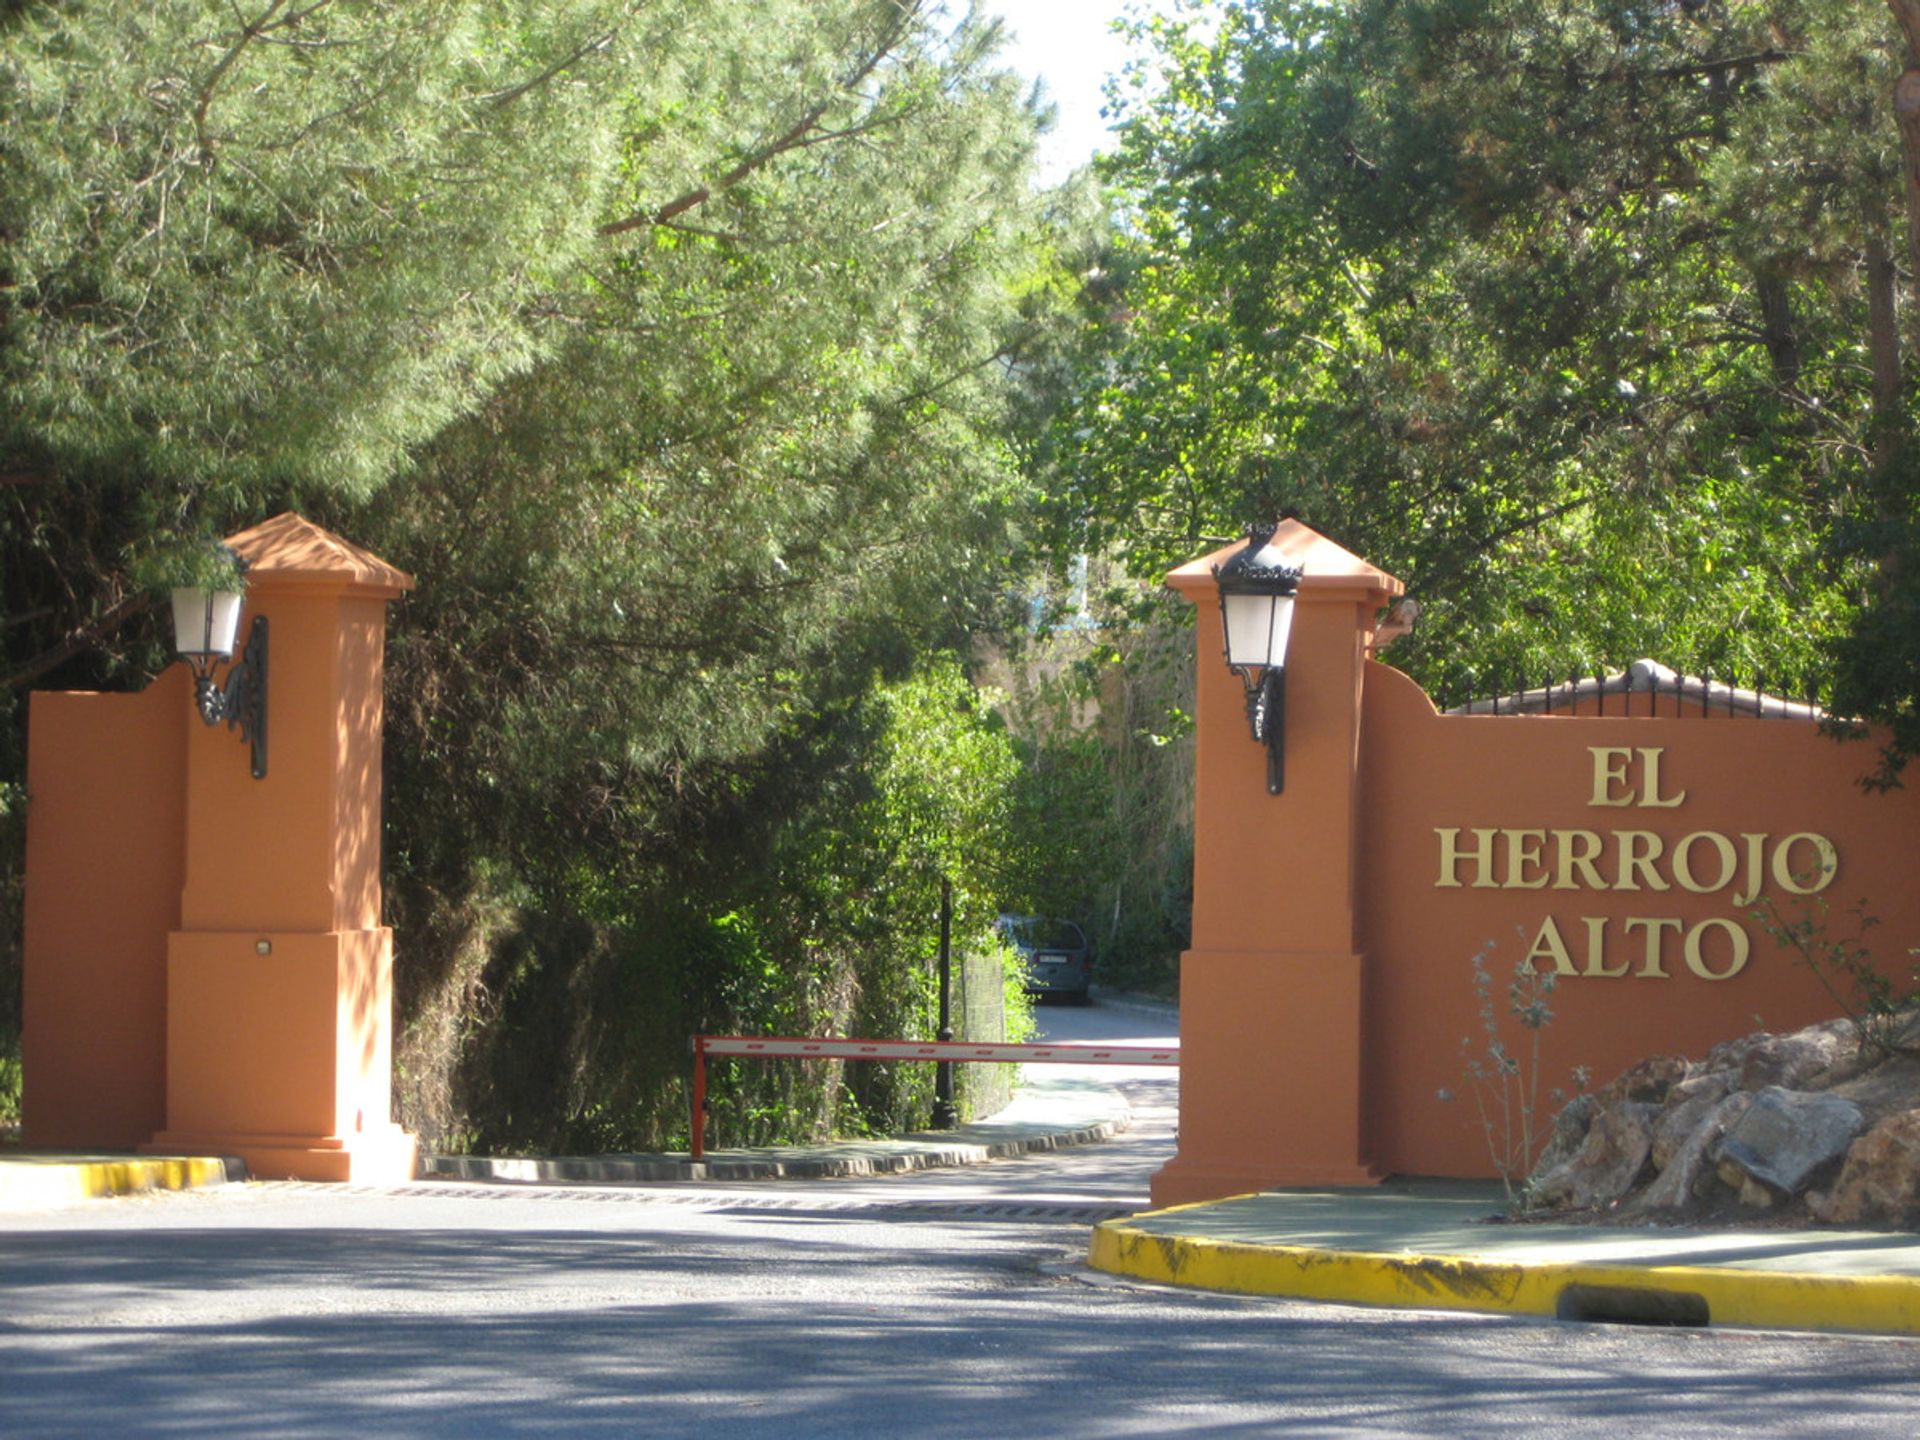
<point x="1683" y="865"/>
<point x="1650" y="968"/>
<point x="1650" y="796"/>
<point x="1736" y="938"/>
<point x="1637" y="850"/>
<point x="1451" y="855"/>
<point x="1597" y="950"/>
<point x="1805" y="882"/>
<point x="1548" y="945"/>
<point x="1610" y="764"/>
<point x="1523" y="849"/>
<point x="1756" y="848"/>
<point x="1576" y="850"/>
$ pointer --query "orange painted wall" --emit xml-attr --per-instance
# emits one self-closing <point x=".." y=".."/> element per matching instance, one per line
<point x="1271" y="992"/>
<point x="106" y="803"/>
<point x="1421" y="771"/>
<point x="206" y="967"/>
<point x="1330" y="987"/>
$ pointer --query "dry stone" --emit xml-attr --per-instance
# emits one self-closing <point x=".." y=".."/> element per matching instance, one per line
<point x="1607" y="1163"/>
<point x="1791" y="1061"/>
<point x="1906" y="1040"/>
<point x="1569" y="1134"/>
<point x="1880" y="1182"/>
<point x="1688" y="1175"/>
<point x="1786" y="1138"/>
<point x="1688" y="1104"/>
<point x="1757" y="1123"/>
<point x="1647" y="1082"/>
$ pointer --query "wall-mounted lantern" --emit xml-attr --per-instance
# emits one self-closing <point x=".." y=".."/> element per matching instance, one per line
<point x="205" y="626"/>
<point x="1257" y="588"/>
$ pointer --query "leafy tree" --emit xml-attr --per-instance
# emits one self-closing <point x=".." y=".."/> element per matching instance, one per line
<point x="1558" y="310"/>
<point x="673" y="347"/>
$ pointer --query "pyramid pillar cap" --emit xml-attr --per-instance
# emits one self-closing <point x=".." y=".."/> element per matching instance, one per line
<point x="1330" y="572"/>
<point x="291" y="552"/>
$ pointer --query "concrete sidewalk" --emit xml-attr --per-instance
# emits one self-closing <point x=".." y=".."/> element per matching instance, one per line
<point x="1048" y="1113"/>
<point x="1439" y="1244"/>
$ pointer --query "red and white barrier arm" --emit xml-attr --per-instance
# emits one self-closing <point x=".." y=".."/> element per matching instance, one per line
<point x="832" y="1048"/>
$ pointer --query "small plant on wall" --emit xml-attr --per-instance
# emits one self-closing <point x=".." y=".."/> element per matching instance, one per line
<point x="1504" y="1079"/>
<point x="1840" y="959"/>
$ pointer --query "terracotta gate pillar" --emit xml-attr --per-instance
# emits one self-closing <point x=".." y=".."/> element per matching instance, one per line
<point x="1270" y="993"/>
<point x="279" y="978"/>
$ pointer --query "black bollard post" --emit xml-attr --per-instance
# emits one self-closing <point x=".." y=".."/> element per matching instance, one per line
<point x="945" y="1117"/>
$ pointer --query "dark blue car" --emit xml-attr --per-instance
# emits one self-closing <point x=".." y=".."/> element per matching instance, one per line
<point x="1058" y="959"/>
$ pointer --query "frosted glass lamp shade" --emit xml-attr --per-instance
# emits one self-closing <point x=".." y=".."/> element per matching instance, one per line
<point x="1257" y="629"/>
<point x="205" y="622"/>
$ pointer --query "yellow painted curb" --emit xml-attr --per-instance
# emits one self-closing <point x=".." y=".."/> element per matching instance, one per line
<point x="50" y="1180"/>
<point x="1880" y="1304"/>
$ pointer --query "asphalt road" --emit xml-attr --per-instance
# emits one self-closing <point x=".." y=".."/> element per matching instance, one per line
<point x="944" y="1304"/>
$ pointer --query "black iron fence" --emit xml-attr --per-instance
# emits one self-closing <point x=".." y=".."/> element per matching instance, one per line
<point x="1645" y="688"/>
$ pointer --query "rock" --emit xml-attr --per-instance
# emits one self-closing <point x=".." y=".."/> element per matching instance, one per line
<point x="1906" y="1040"/>
<point x="1607" y="1164"/>
<point x="1687" y="1176"/>
<point x="1754" y="1195"/>
<point x="1732" y="1054"/>
<point x="1880" y="1182"/>
<point x="1762" y="1120"/>
<point x="1887" y="1089"/>
<point x="1791" y="1062"/>
<point x="1688" y="1105"/>
<point x="1569" y="1133"/>
<point x="1647" y="1082"/>
<point x="1786" y="1137"/>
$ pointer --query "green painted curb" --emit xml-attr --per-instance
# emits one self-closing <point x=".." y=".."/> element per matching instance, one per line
<point x="33" y="1180"/>
<point x="1677" y="1294"/>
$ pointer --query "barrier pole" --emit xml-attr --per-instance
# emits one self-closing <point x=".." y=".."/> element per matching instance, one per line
<point x="945" y="1116"/>
<point x="699" y="1129"/>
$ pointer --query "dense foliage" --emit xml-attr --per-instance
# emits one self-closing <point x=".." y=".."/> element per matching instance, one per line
<point x="1574" y="314"/>
<point x="671" y="346"/>
<point x="720" y="375"/>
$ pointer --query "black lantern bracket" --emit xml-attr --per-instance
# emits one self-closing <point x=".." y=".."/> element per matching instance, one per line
<point x="240" y="700"/>
<point x="1267" y="718"/>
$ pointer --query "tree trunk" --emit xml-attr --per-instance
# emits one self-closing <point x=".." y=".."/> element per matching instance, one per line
<point x="1906" y="114"/>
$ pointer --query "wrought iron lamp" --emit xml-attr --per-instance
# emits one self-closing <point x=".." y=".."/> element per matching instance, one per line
<point x="205" y="626"/>
<point x="1257" y="589"/>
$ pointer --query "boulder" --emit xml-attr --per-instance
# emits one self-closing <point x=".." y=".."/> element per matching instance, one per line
<point x="1688" y="1105"/>
<point x="1648" y="1081"/>
<point x="1880" y="1182"/>
<point x="1569" y="1134"/>
<point x="1906" y="1040"/>
<point x="1761" y="1121"/>
<point x="1887" y="1089"/>
<point x="1605" y="1166"/>
<point x="1687" y="1175"/>
<point x="1792" y="1062"/>
<point x="1785" y="1138"/>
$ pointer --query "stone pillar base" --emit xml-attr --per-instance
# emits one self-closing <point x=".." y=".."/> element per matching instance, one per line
<point x="279" y="1052"/>
<point x="379" y="1157"/>
<point x="1270" y="1075"/>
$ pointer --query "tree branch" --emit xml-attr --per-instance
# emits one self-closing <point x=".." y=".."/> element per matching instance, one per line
<point x="502" y="98"/>
<point x="80" y="640"/>
<point x="249" y="30"/>
<point x="795" y="137"/>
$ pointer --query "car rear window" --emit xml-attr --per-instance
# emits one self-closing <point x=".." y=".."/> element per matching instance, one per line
<point x="1039" y="934"/>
